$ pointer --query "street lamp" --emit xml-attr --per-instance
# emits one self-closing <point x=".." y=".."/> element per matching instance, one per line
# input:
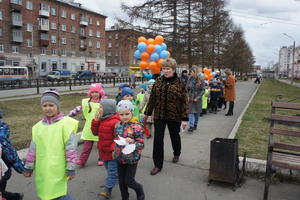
<point x="293" y="61"/>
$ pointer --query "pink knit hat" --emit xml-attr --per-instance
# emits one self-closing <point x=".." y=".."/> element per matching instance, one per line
<point x="96" y="87"/>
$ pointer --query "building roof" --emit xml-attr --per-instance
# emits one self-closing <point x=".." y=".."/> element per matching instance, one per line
<point x="79" y="6"/>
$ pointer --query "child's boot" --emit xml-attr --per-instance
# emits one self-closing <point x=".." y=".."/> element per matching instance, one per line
<point x="106" y="193"/>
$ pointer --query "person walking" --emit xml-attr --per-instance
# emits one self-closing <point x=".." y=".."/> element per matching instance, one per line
<point x="230" y="94"/>
<point x="195" y="89"/>
<point x="168" y="101"/>
<point x="89" y="107"/>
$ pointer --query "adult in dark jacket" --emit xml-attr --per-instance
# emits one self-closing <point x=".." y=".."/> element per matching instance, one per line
<point x="168" y="101"/>
<point x="230" y="91"/>
<point x="11" y="159"/>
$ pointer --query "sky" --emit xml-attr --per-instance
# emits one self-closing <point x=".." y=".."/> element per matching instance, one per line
<point x="263" y="21"/>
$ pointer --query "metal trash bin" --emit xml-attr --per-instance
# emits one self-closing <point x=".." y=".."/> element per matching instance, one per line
<point x="224" y="161"/>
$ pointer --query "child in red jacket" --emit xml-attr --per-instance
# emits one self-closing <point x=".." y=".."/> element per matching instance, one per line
<point x="103" y="126"/>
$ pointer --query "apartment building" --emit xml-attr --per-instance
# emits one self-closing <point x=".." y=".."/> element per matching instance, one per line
<point x="121" y="44"/>
<point x="286" y="61"/>
<point x="45" y="35"/>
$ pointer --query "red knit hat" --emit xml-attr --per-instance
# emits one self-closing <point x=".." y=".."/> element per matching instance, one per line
<point x="96" y="87"/>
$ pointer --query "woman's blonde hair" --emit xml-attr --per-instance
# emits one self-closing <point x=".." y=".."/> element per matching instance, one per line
<point x="169" y="62"/>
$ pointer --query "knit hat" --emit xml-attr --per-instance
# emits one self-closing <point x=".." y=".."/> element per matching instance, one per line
<point x="151" y="82"/>
<point x="52" y="96"/>
<point x="169" y="62"/>
<point x="126" y="91"/>
<point x="125" y="105"/>
<point x="96" y="87"/>
<point x="123" y="85"/>
<point x="144" y="86"/>
<point x="109" y="108"/>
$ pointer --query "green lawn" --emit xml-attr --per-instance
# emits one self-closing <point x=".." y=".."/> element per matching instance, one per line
<point x="254" y="130"/>
<point x="21" y="115"/>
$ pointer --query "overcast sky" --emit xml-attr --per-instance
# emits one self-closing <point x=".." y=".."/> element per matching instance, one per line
<point x="263" y="22"/>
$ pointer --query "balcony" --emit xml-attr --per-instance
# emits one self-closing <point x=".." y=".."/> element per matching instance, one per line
<point x="44" y="13"/>
<point x="16" y="23"/>
<point x="83" y="47"/>
<point x="82" y="36"/>
<point x="15" y="7"/>
<point x="44" y="27"/>
<point x="44" y="42"/>
<point x="84" y="23"/>
<point x="17" y="39"/>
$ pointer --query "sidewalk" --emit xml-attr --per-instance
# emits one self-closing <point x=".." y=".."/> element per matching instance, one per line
<point x="289" y="82"/>
<point x="186" y="180"/>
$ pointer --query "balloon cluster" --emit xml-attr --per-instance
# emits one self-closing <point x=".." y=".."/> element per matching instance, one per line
<point x="208" y="74"/>
<point x="151" y="52"/>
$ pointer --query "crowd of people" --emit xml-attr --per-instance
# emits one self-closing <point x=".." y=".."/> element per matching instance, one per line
<point x="119" y="126"/>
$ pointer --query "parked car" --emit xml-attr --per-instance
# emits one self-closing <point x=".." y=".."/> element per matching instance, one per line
<point x="59" y="75"/>
<point x="84" y="74"/>
<point x="108" y="75"/>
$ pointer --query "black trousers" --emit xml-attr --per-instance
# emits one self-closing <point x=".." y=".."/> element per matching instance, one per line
<point x="231" y="106"/>
<point x="126" y="174"/>
<point x="158" y="144"/>
<point x="214" y="105"/>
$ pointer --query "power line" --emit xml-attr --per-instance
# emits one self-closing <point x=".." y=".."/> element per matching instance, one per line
<point x="263" y="18"/>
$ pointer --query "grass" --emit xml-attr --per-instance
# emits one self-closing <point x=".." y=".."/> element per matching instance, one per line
<point x="21" y="115"/>
<point x="253" y="132"/>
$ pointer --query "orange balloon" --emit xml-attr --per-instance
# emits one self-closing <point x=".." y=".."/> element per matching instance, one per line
<point x="159" y="39"/>
<point x="152" y="65"/>
<point x="150" y="41"/>
<point x="142" y="39"/>
<point x="150" y="48"/>
<point x="210" y="76"/>
<point x="156" y="70"/>
<point x="159" y="62"/>
<point x="145" y="56"/>
<point x="143" y="64"/>
<point x="206" y="76"/>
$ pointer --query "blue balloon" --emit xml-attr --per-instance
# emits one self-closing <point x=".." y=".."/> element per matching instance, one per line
<point x="147" y="76"/>
<point x="142" y="47"/>
<point x="137" y="54"/>
<point x="154" y="57"/>
<point x="201" y="75"/>
<point x="214" y="74"/>
<point x="157" y="49"/>
<point x="164" y="54"/>
<point x="163" y="46"/>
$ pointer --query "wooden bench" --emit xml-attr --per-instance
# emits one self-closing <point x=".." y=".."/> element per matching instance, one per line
<point x="280" y="154"/>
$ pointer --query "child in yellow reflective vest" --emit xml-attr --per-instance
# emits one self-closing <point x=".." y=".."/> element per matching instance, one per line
<point x="89" y="108"/>
<point x="53" y="162"/>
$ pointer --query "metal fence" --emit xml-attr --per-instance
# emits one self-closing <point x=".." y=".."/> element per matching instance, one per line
<point x="37" y="83"/>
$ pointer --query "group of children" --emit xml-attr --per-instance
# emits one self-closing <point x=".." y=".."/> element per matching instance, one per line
<point x="52" y="154"/>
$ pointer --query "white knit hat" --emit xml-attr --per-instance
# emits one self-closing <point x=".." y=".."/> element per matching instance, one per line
<point x="125" y="105"/>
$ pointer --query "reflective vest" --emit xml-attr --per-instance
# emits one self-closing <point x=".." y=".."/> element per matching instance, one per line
<point x="50" y="164"/>
<point x="86" y="132"/>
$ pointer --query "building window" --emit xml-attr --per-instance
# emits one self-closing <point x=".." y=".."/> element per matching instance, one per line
<point x="19" y="2"/>
<point x="53" y="25"/>
<point x="110" y="36"/>
<point x="53" y="39"/>
<point x="90" y="32"/>
<point x="81" y="42"/>
<point x="44" y="7"/>
<point x="54" y="51"/>
<point x="73" y="29"/>
<point x="90" y="43"/>
<point x="42" y="51"/>
<point x="43" y="66"/>
<point x="15" y="49"/>
<point x="98" y="45"/>
<point x="109" y="53"/>
<point x="108" y="62"/>
<point x="0" y="15"/>
<point x="64" y="14"/>
<point x="116" y="61"/>
<point x="1" y="48"/>
<point x="117" y="53"/>
<point x="64" y="65"/>
<point x="63" y="52"/>
<point x="109" y="45"/>
<point x="98" y="23"/>
<point x="98" y="34"/>
<point x="82" y="33"/>
<point x="64" y="40"/>
<point x="29" y="43"/>
<point x="98" y="67"/>
<point x="63" y="27"/>
<point x="1" y="32"/>
<point x="29" y="5"/>
<point x="116" y="36"/>
<point x="90" y="20"/>
<point x="29" y="27"/>
<point x="53" y="11"/>
<point x="73" y="16"/>
<point x="73" y="53"/>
